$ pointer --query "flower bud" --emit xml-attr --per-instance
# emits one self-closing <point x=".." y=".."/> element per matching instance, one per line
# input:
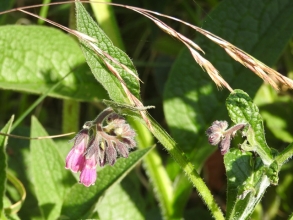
<point x="218" y="134"/>
<point x="215" y="132"/>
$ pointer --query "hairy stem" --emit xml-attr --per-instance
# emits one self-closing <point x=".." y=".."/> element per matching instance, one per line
<point x="188" y="168"/>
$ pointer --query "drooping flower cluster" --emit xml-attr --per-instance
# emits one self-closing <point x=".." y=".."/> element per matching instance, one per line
<point x="218" y="135"/>
<point x="100" y="142"/>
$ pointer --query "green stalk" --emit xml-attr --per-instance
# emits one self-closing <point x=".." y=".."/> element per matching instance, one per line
<point x="106" y="18"/>
<point x="70" y="116"/>
<point x="44" y="11"/>
<point x="70" y="108"/>
<point x="155" y="170"/>
<point x="177" y="154"/>
<point x="188" y="168"/>
<point x="285" y="155"/>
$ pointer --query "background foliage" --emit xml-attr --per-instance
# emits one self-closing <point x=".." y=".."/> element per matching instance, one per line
<point x="33" y="59"/>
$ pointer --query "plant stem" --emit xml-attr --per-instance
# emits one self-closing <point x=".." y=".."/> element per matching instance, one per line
<point x="106" y="18"/>
<point x="166" y="194"/>
<point x="70" y="108"/>
<point x="188" y="168"/>
<point x="70" y="116"/>
<point x="155" y="170"/>
<point x="285" y="155"/>
<point x="44" y="11"/>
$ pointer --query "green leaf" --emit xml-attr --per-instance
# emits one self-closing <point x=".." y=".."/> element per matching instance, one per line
<point x="3" y="163"/>
<point x="34" y="58"/>
<point x="276" y="113"/>
<point x="51" y="180"/>
<point x="123" y="201"/>
<point x="243" y="110"/>
<point x="86" y="25"/>
<point x="80" y="201"/>
<point x="247" y="182"/>
<point x="278" y="118"/>
<point x="191" y="100"/>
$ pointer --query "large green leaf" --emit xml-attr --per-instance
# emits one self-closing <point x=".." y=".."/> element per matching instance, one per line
<point x="191" y="100"/>
<point x="51" y="180"/>
<point x="80" y="201"/>
<point x="276" y="113"/>
<point x="87" y="25"/>
<point x="34" y="58"/>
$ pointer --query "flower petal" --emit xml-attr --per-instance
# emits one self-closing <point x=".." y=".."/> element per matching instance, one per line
<point x="88" y="174"/>
<point x="75" y="158"/>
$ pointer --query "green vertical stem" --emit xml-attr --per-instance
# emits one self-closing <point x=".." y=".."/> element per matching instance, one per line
<point x="155" y="170"/>
<point x="180" y="157"/>
<point x="70" y="108"/>
<point x="44" y="11"/>
<point x="70" y="113"/>
<point x="285" y="155"/>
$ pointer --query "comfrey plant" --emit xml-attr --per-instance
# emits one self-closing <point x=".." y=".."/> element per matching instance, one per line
<point x="38" y="59"/>
<point x="100" y="142"/>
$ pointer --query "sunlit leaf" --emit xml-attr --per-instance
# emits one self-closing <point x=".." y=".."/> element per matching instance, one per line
<point x="87" y="25"/>
<point x="34" y="58"/>
<point x="51" y="180"/>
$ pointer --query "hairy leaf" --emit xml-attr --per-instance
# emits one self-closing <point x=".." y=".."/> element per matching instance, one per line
<point x="88" y="26"/>
<point x="243" y="110"/>
<point x="34" y="58"/>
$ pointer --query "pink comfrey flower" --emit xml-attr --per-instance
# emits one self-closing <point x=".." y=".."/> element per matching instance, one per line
<point x="99" y="142"/>
<point x="88" y="174"/>
<point x="75" y="158"/>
